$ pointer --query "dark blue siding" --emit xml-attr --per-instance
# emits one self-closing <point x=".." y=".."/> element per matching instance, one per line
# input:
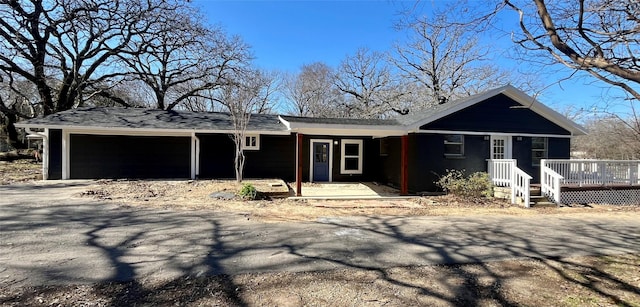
<point x="55" y="154"/>
<point x="275" y="159"/>
<point x="497" y="114"/>
<point x="427" y="162"/>
<point x="216" y="156"/>
<point x="114" y="156"/>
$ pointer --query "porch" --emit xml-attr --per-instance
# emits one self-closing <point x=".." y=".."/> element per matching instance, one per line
<point x="571" y="181"/>
<point x="348" y="191"/>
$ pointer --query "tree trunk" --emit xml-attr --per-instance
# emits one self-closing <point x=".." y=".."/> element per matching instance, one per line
<point x="12" y="132"/>
<point x="239" y="162"/>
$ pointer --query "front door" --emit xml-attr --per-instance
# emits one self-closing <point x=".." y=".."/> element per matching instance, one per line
<point x="500" y="147"/>
<point x="321" y="161"/>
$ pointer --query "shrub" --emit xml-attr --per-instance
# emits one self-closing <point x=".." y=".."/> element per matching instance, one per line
<point x="474" y="186"/>
<point x="248" y="191"/>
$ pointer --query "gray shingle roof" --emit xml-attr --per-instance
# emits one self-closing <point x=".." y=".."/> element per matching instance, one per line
<point x="115" y="117"/>
<point x="341" y="121"/>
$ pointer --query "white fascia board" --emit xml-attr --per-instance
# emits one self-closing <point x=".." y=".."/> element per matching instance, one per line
<point x="351" y="131"/>
<point x="492" y="133"/>
<point x="143" y="131"/>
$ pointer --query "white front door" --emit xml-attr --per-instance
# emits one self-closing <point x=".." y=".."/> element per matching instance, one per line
<point x="500" y="147"/>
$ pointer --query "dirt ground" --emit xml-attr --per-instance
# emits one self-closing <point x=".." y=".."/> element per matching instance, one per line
<point x="578" y="281"/>
<point x="20" y="171"/>
<point x="194" y="195"/>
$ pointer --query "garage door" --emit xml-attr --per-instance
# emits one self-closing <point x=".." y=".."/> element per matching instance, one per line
<point x="108" y="156"/>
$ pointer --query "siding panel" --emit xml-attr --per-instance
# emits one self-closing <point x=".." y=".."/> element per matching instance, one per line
<point x="497" y="114"/>
<point x="427" y="162"/>
<point x="55" y="154"/>
<point x="107" y="156"/>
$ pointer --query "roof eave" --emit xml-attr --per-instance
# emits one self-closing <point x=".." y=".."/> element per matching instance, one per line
<point x="159" y="131"/>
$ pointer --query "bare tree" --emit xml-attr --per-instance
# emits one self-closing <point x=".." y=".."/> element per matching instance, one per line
<point x="312" y="92"/>
<point x="368" y="85"/>
<point x="599" y="37"/>
<point x="71" y="42"/>
<point x="249" y="93"/>
<point x="610" y="137"/>
<point x="444" y="61"/>
<point x="182" y="58"/>
<point x="67" y="49"/>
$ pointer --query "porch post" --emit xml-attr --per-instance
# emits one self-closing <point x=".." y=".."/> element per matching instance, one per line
<point x="404" y="165"/>
<point x="299" y="164"/>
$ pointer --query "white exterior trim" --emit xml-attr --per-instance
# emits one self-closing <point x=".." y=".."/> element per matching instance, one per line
<point x="66" y="151"/>
<point x="492" y="133"/>
<point x="45" y="149"/>
<point x="244" y="145"/>
<point x="350" y="131"/>
<point x="342" y="156"/>
<point x="194" y="155"/>
<point x="344" y="130"/>
<point x="311" y="157"/>
<point x="508" y="146"/>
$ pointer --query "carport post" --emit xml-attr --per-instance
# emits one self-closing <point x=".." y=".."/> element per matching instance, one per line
<point x="299" y="164"/>
<point x="404" y="167"/>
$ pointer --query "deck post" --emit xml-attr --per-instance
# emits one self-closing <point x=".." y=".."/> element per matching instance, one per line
<point x="299" y="164"/>
<point x="404" y="165"/>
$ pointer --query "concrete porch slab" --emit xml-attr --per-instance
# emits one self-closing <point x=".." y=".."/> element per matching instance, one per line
<point x="348" y="190"/>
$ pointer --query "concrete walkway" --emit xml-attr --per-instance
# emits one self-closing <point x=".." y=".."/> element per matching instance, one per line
<point x="47" y="236"/>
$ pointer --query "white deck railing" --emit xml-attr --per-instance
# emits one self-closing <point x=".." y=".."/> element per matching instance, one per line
<point x="505" y="173"/>
<point x="500" y="171"/>
<point x="550" y="182"/>
<point x="594" y="172"/>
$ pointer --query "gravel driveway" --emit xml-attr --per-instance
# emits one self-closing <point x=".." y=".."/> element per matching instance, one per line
<point x="48" y="235"/>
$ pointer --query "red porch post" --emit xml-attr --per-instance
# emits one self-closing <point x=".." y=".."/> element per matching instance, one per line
<point x="404" y="165"/>
<point x="299" y="165"/>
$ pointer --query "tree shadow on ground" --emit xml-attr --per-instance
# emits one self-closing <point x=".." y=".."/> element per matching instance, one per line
<point x="202" y="251"/>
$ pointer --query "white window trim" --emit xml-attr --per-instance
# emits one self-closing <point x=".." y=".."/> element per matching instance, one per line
<point x="545" y="150"/>
<point x="311" y="142"/>
<point x="245" y="147"/>
<point x="508" y="145"/>
<point x="461" y="143"/>
<point x="343" y="156"/>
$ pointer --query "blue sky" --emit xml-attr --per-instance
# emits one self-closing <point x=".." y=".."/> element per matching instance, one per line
<point x="284" y="35"/>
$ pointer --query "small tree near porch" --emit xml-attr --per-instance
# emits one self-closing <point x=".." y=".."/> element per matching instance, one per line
<point x="247" y="94"/>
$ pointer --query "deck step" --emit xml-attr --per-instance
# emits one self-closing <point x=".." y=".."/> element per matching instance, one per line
<point x="541" y="201"/>
<point x="535" y="191"/>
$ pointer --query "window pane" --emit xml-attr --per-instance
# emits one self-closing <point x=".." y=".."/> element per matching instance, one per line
<point x="537" y="143"/>
<point x="321" y="152"/>
<point x="538" y="150"/>
<point x="452" y="149"/>
<point x="453" y="138"/>
<point x="351" y="149"/>
<point x="538" y="154"/>
<point x="351" y="164"/>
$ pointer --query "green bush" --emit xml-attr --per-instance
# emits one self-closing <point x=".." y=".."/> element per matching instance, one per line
<point x="248" y="191"/>
<point x="474" y="186"/>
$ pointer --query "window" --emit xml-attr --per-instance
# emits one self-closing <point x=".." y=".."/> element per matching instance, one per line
<point x="538" y="150"/>
<point x="351" y="157"/>
<point x="251" y="142"/>
<point x="453" y="145"/>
